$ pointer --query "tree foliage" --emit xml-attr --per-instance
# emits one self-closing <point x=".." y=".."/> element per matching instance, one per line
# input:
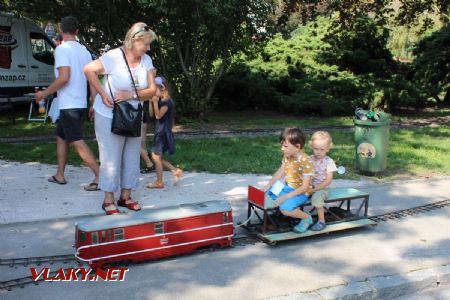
<point x="360" y="50"/>
<point x="331" y="55"/>
<point x="197" y="38"/>
<point x="103" y="23"/>
<point x="315" y="72"/>
<point x="202" y="37"/>
<point x="432" y="63"/>
<point x="408" y="11"/>
<point x="345" y="11"/>
<point x="411" y="10"/>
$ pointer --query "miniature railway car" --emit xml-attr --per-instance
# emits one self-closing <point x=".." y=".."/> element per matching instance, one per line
<point x="346" y="208"/>
<point x="154" y="233"/>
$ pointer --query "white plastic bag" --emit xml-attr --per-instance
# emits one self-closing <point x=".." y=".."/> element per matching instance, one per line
<point x="54" y="110"/>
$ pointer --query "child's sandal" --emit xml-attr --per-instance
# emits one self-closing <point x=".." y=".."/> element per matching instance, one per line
<point x="319" y="226"/>
<point x="303" y="225"/>
<point x="155" y="185"/>
<point x="177" y="175"/>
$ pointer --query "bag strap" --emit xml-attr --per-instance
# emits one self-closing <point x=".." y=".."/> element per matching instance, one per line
<point x="110" y="91"/>
<point x="131" y="75"/>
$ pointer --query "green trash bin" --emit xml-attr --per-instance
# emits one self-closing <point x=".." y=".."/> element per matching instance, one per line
<point x="371" y="141"/>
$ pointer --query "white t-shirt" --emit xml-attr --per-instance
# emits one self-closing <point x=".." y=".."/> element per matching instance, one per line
<point x="321" y="168"/>
<point x="75" y="56"/>
<point x="119" y="78"/>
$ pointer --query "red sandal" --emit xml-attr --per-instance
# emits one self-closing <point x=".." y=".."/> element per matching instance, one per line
<point x="132" y="205"/>
<point x="111" y="211"/>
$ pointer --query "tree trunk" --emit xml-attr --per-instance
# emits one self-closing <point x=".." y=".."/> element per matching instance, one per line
<point x="214" y="82"/>
<point x="183" y="66"/>
<point x="447" y="96"/>
<point x="438" y="100"/>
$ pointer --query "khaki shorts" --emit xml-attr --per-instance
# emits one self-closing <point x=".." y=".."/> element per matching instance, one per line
<point x="319" y="197"/>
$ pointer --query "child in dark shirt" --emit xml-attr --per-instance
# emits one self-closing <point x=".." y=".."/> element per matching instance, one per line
<point x="164" y="141"/>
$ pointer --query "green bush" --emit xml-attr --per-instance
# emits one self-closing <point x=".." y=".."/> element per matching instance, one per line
<point x="315" y="73"/>
<point x="361" y="50"/>
<point x="193" y="107"/>
<point x="242" y="89"/>
<point x="432" y="65"/>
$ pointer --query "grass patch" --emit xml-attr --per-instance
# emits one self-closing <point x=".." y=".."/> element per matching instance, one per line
<point x="225" y="120"/>
<point x="411" y="152"/>
<point x="219" y="120"/>
<point x="25" y="128"/>
<point x="264" y="119"/>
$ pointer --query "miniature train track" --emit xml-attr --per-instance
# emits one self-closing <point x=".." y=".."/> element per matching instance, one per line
<point x="215" y="133"/>
<point x="25" y="261"/>
<point x="239" y="240"/>
<point x="410" y="211"/>
<point x="22" y="281"/>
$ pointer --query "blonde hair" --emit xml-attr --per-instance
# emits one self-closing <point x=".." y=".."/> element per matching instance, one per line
<point x="321" y="135"/>
<point x="138" y="31"/>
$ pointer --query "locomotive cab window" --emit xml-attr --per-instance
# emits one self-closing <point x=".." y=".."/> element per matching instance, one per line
<point x="81" y="236"/>
<point x="118" y="234"/>
<point x="159" y="228"/>
<point x="225" y="217"/>
<point x="94" y="237"/>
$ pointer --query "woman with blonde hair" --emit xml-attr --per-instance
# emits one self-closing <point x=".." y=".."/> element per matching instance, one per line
<point x="122" y="68"/>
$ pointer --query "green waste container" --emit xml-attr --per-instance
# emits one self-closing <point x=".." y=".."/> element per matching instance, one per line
<point x="371" y="141"/>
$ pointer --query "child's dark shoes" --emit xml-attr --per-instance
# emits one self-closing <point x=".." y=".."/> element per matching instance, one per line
<point x="319" y="226"/>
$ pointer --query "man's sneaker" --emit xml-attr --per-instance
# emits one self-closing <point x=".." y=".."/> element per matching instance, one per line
<point x="303" y="225"/>
<point x="318" y="226"/>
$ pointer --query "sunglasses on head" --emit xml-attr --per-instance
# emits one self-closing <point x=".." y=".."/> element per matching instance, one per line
<point x="143" y="29"/>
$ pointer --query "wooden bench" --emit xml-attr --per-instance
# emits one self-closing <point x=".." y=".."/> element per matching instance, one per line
<point x="353" y="204"/>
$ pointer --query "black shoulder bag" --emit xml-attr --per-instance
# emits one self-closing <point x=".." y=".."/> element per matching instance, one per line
<point x="126" y="119"/>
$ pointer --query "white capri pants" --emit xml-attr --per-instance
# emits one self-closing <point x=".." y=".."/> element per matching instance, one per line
<point x="119" y="157"/>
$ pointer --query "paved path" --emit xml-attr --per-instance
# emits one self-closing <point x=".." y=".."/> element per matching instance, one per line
<point x="392" y="259"/>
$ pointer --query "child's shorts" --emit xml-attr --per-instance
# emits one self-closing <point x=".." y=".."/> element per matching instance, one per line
<point x="291" y="203"/>
<point x="319" y="197"/>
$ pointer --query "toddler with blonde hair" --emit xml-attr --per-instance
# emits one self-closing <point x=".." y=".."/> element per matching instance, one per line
<point x="324" y="167"/>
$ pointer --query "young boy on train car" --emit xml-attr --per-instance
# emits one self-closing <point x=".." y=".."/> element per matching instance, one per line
<point x="297" y="170"/>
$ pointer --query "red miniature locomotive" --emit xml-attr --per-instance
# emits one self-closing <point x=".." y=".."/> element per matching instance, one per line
<point x="154" y="233"/>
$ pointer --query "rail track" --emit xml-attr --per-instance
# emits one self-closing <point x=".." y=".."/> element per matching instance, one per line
<point x="222" y="133"/>
<point x="410" y="211"/>
<point x="239" y="240"/>
<point x="25" y="261"/>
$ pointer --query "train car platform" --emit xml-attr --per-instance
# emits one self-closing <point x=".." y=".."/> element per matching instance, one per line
<point x="403" y="254"/>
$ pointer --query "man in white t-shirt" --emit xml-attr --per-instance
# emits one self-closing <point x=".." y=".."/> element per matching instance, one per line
<point x="71" y="85"/>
